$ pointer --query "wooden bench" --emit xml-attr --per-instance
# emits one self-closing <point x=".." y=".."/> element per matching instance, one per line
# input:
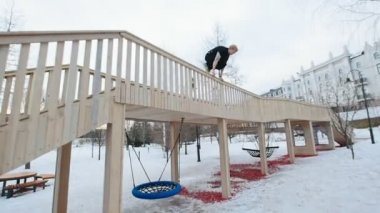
<point x="45" y="176"/>
<point x="11" y="189"/>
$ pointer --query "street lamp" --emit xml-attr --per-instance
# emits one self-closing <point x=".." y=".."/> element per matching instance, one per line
<point x="365" y="100"/>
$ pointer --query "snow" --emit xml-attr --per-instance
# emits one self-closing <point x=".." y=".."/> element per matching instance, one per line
<point x="329" y="182"/>
<point x="374" y="112"/>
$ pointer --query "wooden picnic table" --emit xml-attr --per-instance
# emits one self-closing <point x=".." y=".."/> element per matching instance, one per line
<point x="15" y="176"/>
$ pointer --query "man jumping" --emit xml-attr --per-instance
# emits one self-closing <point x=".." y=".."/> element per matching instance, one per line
<point x="216" y="59"/>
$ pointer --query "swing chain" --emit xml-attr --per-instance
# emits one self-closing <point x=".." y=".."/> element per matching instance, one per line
<point x="130" y="163"/>
<point x="142" y="166"/>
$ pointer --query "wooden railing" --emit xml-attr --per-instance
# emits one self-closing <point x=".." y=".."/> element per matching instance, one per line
<point x="63" y="84"/>
<point x="70" y="66"/>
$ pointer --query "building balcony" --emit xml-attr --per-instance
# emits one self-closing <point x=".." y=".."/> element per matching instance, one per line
<point x="369" y="96"/>
<point x="358" y="81"/>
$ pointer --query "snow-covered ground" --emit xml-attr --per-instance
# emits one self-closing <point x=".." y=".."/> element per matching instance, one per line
<point x="329" y="182"/>
<point x="374" y="112"/>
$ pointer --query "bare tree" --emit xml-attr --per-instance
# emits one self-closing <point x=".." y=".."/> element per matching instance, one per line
<point x="233" y="74"/>
<point x="210" y="130"/>
<point x="231" y="135"/>
<point x="358" y="12"/>
<point x="362" y="9"/>
<point x="97" y="136"/>
<point x="197" y="132"/>
<point x="342" y="98"/>
<point x="11" y="19"/>
<point x="219" y="37"/>
<point x="165" y="139"/>
<point x="188" y="135"/>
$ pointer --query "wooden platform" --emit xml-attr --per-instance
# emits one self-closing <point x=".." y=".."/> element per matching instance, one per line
<point x="112" y="76"/>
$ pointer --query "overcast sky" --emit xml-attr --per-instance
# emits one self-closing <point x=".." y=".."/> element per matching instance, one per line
<point x="275" y="37"/>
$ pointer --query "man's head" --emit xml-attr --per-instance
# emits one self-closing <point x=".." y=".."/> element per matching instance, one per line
<point x="232" y="49"/>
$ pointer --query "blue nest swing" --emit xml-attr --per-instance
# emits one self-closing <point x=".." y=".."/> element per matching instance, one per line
<point x="154" y="189"/>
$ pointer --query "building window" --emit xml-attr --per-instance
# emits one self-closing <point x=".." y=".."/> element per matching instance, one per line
<point x="289" y="89"/>
<point x="319" y="78"/>
<point x="298" y="86"/>
<point x="358" y="64"/>
<point x="376" y="55"/>
<point x="340" y="71"/>
<point x="326" y="76"/>
<point x="308" y="82"/>
<point x="378" y="68"/>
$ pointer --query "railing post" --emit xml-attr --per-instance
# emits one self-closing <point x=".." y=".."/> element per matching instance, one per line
<point x="96" y="85"/>
<point x="144" y="93"/>
<point x="108" y="79"/>
<point x="3" y="62"/>
<point x="152" y="92"/>
<point x="128" y="71"/>
<point x="6" y="99"/>
<point x="83" y="91"/>
<point x="35" y="104"/>
<point x="137" y="75"/>
<point x="53" y="97"/>
<point x="70" y="95"/>
<point x="119" y="95"/>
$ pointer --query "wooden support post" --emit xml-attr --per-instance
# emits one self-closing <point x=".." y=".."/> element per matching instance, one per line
<point x="330" y="134"/>
<point x="61" y="183"/>
<point x="309" y="138"/>
<point x="289" y="140"/>
<point x="224" y="158"/>
<point x="315" y="135"/>
<point x="263" y="151"/>
<point x="113" y="173"/>
<point x="174" y="160"/>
